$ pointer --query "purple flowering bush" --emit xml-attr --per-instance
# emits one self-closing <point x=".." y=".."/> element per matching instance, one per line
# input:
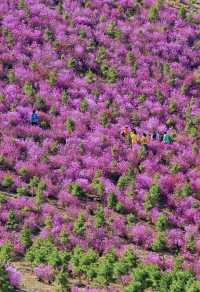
<point x="72" y="183"/>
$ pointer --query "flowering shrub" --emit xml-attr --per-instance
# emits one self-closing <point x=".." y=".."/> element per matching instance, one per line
<point x="74" y="194"/>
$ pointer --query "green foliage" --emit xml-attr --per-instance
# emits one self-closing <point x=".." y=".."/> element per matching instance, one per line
<point x="71" y="63"/>
<point x="113" y="31"/>
<point x="161" y="222"/>
<point x="105" y="268"/>
<point x="185" y="191"/>
<point x="28" y="89"/>
<point x="99" y="216"/>
<point x="6" y="252"/>
<point x="104" y="119"/>
<point x="124" y="265"/>
<point x="64" y="97"/>
<point x="90" y="76"/>
<point x="112" y="200"/>
<point x="76" y="190"/>
<point x="79" y="225"/>
<point x="141" y="98"/>
<point x="52" y="78"/>
<point x="145" y="276"/>
<point x="43" y="251"/>
<point x="83" y="105"/>
<point x="97" y="186"/>
<point x="182" y="12"/>
<point x="191" y="243"/>
<point x="4" y="281"/>
<point x="172" y="107"/>
<point x="25" y="237"/>
<point x="84" y="262"/>
<point x="48" y="35"/>
<point x="159" y="243"/>
<point x="152" y="197"/>
<point x="12" y="220"/>
<point x="23" y="171"/>
<point x="159" y="96"/>
<point x="123" y="181"/>
<point x="39" y="103"/>
<point x="101" y="54"/>
<point x="82" y="33"/>
<point x="131" y="219"/>
<point x="175" y="168"/>
<point x="109" y="73"/>
<point x="7" y="181"/>
<point x="176" y="280"/>
<point x="119" y="208"/>
<point x="21" y="4"/>
<point x="152" y="14"/>
<point x="61" y="281"/>
<point x="70" y="125"/>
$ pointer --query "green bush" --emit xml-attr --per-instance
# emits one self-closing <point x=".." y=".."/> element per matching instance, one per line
<point x="159" y="243"/>
<point x="76" y="190"/>
<point x="64" y="97"/>
<point x="28" y="89"/>
<point x="12" y="221"/>
<point x="152" y="14"/>
<point x="39" y="103"/>
<point x="83" y="105"/>
<point x="70" y="125"/>
<point x="7" y="181"/>
<point x="43" y="251"/>
<point x="4" y="281"/>
<point x="123" y="181"/>
<point x="172" y="107"/>
<point x="145" y="276"/>
<point x="104" y="119"/>
<point x="99" y="216"/>
<point x="113" y="31"/>
<point x="6" y="252"/>
<point x="52" y="78"/>
<point x="105" y="268"/>
<point x="124" y="265"/>
<point x="131" y="219"/>
<point x="79" y="225"/>
<point x="11" y="76"/>
<point x="152" y="197"/>
<point x="161" y="222"/>
<point x="182" y="12"/>
<point x="61" y="281"/>
<point x="97" y="186"/>
<point x="112" y="200"/>
<point x="25" y="237"/>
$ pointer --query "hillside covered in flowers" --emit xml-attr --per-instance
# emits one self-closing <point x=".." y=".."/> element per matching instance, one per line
<point x="85" y="210"/>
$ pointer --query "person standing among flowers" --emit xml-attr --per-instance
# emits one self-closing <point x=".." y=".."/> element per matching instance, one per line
<point x="34" y="118"/>
<point x="144" y="141"/>
<point x="134" y="137"/>
<point x="125" y="133"/>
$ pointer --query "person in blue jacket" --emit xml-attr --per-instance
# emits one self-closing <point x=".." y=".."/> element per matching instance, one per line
<point x="34" y="118"/>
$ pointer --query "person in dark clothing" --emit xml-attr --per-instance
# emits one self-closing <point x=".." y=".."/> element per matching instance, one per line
<point x="34" y="118"/>
<point x="155" y="136"/>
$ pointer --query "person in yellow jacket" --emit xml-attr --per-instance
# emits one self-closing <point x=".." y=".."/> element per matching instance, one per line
<point x="144" y="140"/>
<point x="134" y="137"/>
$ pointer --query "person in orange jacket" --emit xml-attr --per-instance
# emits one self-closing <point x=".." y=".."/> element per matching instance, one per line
<point x="125" y="133"/>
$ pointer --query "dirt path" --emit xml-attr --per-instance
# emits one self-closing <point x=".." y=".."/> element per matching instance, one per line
<point x="29" y="282"/>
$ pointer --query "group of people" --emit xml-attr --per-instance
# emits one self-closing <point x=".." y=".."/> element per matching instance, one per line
<point x="132" y="138"/>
